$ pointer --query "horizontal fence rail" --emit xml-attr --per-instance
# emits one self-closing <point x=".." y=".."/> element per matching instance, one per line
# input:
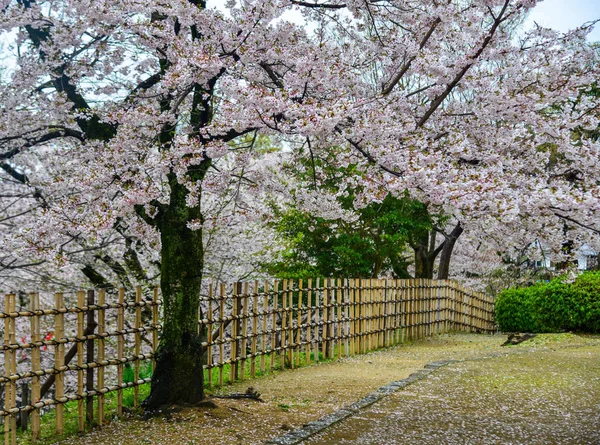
<point x="248" y="329"/>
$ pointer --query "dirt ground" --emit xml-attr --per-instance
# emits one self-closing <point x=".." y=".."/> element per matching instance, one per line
<point x="294" y="397"/>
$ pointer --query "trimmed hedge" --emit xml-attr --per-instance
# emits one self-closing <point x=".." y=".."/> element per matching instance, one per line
<point x="552" y="307"/>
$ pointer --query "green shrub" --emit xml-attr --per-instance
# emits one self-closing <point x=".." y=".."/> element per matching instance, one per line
<point x="552" y="307"/>
<point x="586" y="302"/>
<point x="514" y="312"/>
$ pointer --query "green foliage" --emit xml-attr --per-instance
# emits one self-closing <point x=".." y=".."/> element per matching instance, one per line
<point x="552" y="307"/>
<point x="375" y="243"/>
<point x="586" y="305"/>
<point x="514" y="311"/>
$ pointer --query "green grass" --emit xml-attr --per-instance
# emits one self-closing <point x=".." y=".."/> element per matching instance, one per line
<point x="70" y="428"/>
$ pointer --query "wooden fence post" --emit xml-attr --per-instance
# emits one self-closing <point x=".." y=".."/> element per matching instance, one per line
<point x="59" y="359"/>
<point x="89" y="349"/>
<point x="209" y="348"/>
<point x="274" y="332"/>
<point x="308" y="321"/>
<point x="346" y="316"/>
<point x="9" y="356"/>
<point x="101" y="350"/>
<point x="137" y="338"/>
<point x="80" y="408"/>
<point x="253" y="347"/>
<point x="244" y="348"/>
<point x="154" y="326"/>
<point x="120" y="349"/>
<point x="24" y="415"/>
<point x="298" y="341"/>
<point x="339" y="316"/>
<point x="221" y="331"/>
<point x="317" y="336"/>
<point x="234" y="334"/>
<point x="325" y="343"/>
<point x="36" y="366"/>
<point x="263" y="340"/>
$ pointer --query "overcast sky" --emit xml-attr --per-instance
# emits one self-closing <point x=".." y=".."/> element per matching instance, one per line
<point x="567" y="14"/>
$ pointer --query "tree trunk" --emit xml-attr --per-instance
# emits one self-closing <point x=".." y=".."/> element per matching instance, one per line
<point x="425" y="255"/>
<point x="178" y="377"/>
<point x="444" y="267"/>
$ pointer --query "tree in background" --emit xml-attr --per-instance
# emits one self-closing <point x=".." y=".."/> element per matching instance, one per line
<point x="367" y="247"/>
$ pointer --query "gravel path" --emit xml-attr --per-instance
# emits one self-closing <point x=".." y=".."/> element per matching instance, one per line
<point x="547" y="395"/>
<point x="545" y="391"/>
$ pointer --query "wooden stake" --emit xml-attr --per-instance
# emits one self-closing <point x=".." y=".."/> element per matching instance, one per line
<point x="120" y="349"/>
<point x="263" y="344"/>
<point x="209" y="348"/>
<point x="155" y="326"/>
<point x="101" y="350"/>
<point x="339" y="316"/>
<point x="9" y="431"/>
<point x="13" y="368"/>
<point x="284" y="342"/>
<point x="80" y="407"/>
<point x="291" y="343"/>
<point x="255" y="311"/>
<point x="59" y="360"/>
<point x="137" y="345"/>
<point x="308" y="321"/>
<point x="244" y="333"/>
<point x="299" y="324"/>
<point x="274" y="335"/>
<point x="346" y="316"/>
<point x="318" y="298"/>
<point x="234" y="335"/>
<point x="89" y="349"/>
<point x="325" y="341"/>
<point x="36" y="365"/>
<point x="352" y="307"/>
<point x="221" y="331"/>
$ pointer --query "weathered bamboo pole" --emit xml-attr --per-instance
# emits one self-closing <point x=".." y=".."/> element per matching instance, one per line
<point x="308" y="321"/>
<point x="101" y="351"/>
<point x="244" y="348"/>
<point x="263" y="342"/>
<point x="137" y="338"/>
<point x="274" y="335"/>
<point x="120" y="349"/>
<point x="221" y="331"/>
<point x="36" y="365"/>
<point x="253" y="347"/>
<point x="10" y="424"/>
<point x="89" y="349"/>
<point x="59" y="359"/>
<point x="234" y="335"/>
<point x="298" y="335"/>
<point x="209" y="348"/>
<point x="80" y="407"/>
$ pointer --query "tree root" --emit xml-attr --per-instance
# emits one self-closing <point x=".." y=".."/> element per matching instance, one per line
<point x="250" y="393"/>
<point x="515" y="339"/>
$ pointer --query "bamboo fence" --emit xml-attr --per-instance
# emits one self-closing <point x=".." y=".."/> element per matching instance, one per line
<point x="248" y="329"/>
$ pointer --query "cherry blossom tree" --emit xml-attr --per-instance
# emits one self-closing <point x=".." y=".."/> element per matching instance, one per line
<point x="130" y="119"/>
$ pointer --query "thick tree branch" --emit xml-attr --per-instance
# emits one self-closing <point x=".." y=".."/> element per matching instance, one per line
<point x="368" y="155"/>
<point x="392" y="83"/>
<point x="33" y="141"/>
<point x="440" y="99"/>
<point x="318" y="5"/>
<point x="580" y="224"/>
